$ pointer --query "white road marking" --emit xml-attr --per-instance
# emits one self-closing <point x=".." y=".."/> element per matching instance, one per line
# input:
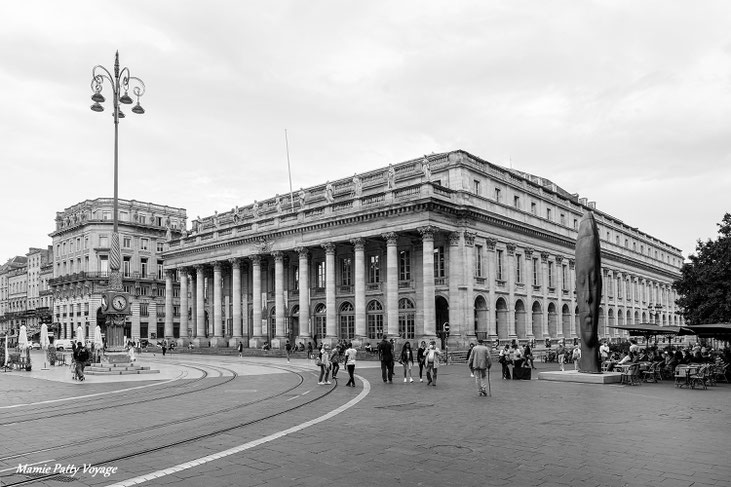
<point x="27" y="465"/>
<point x="246" y="446"/>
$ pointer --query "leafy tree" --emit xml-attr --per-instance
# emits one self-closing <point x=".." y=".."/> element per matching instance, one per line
<point x="704" y="287"/>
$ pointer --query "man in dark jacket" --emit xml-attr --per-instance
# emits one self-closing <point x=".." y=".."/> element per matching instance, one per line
<point x="385" y="353"/>
<point x="82" y="356"/>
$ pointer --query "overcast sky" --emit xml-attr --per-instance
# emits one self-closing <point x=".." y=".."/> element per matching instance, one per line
<point x="625" y="103"/>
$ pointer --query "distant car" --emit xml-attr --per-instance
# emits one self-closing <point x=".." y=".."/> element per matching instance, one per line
<point x="35" y="346"/>
<point x="62" y="344"/>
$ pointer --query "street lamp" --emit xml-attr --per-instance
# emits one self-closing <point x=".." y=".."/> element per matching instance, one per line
<point x="116" y="302"/>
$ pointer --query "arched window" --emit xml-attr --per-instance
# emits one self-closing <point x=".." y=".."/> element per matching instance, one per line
<point x="406" y="314"/>
<point x="347" y="321"/>
<point x="374" y="320"/>
<point x="320" y="321"/>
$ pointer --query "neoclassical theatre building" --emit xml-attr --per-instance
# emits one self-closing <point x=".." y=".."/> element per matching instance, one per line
<point x="404" y="250"/>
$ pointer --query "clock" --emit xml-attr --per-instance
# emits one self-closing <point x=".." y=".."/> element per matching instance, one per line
<point x="119" y="302"/>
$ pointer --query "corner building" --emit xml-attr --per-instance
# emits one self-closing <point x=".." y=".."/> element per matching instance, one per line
<point x="405" y="249"/>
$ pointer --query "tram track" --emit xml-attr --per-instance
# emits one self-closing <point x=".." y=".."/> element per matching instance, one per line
<point x="93" y="450"/>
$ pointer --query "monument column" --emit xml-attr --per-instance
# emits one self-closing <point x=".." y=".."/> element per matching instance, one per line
<point x="169" y="304"/>
<point x="360" y="298"/>
<point x="257" y="340"/>
<point x="245" y="287"/>
<point x="217" y="325"/>
<point x="544" y="292"/>
<point x="184" y="332"/>
<point x="280" y="332"/>
<point x="236" y="332"/>
<point x="427" y="238"/>
<point x="331" y="328"/>
<point x="391" y="327"/>
<point x="200" y="303"/>
<point x="304" y="293"/>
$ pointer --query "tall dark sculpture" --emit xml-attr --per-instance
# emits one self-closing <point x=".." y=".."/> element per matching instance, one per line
<point x="588" y="292"/>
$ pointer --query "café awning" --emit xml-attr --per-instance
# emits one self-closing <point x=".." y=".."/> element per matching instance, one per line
<point x="651" y="329"/>
<point x="721" y="331"/>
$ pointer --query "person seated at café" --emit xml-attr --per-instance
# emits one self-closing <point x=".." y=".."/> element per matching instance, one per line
<point x="697" y="357"/>
<point x="633" y="346"/>
<point x="641" y="356"/>
<point x="670" y="363"/>
<point x="679" y="357"/>
<point x="627" y="358"/>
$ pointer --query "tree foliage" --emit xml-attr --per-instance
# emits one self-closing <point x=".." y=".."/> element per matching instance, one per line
<point x="704" y="288"/>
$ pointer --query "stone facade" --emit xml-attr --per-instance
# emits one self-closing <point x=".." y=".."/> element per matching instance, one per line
<point x="403" y="250"/>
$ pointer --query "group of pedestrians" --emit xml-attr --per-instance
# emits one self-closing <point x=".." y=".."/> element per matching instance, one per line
<point x="329" y="362"/>
<point x="79" y="358"/>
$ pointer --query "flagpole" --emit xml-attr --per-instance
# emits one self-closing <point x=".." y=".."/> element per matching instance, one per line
<point x="289" y="170"/>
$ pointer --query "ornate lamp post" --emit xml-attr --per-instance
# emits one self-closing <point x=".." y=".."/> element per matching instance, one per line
<point x="115" y="302"/>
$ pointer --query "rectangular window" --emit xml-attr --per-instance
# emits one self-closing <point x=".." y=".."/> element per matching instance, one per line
<point x="535" y="271"/>
<point x="143" y="267"/>
<point x="564" y="277"/>
<point x="478" y="260"/>
<point x="374" y="269"/>
<point x="144" y="311"/>
<point x="518" y="268"/>
<point x="500" y="265"/>
<point x="406" y="326"/>
<point x="516" y="201"/>
<point x="106" y="215"/>
<point x="439" y="266"/>
<point x="404" y="265"/>
<point x="550" y="274"/>
<point x="321" y="279"/>
<point x="104" y="264"/>
<point x="347" y="327"/>
<point x="103" y="241"/>
<point x="374" y="326"/>
<point x="476" y="187"/>
<point x="346" y="272"/>
<point x="497" y="195"/>
<point x="160" y="270"/>
<point x="126" y="266"/>
<point x="126" y="242"/>
<point x="160" y="247"/>
<point x="144" y="244"/>
<point x="533" y="208"/>
<point x="548" y="213"/>
<point x="563" y="219"/>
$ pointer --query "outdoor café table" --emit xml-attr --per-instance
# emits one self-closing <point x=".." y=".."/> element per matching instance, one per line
<point x="683" y="373"/>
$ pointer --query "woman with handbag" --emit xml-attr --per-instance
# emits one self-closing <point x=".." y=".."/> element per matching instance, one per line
<point x="324" y="362"/>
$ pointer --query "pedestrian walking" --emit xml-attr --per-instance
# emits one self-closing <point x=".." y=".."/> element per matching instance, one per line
<point x="241" y="349"/>
<point x="82" y="357"/>
<point x="421" y="358"/>
<point x="480" y="363"/>
<point x="350" y="354"/>
<point x="561" y="355"/>
<point x="335" y="361"/>
<point x="288" y="350"/>
<point x="407" y="360"/>
<point x="164" y="347"/>
<point x="432" y="364"/>
<point x="309" y="350"/>
<point x="469" y="362"/>
<point x="528" y="355"/>
<point x="504" y="359"/>
<point x="324" y="363"/>
<point x="74" y="353"/>
<point x="576" y="356"/>
<point x="385" y="354"/>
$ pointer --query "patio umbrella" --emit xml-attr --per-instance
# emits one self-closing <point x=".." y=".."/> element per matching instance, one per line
<point x="98" y="342"/>
<point x="79" y="334"/>
<point x="23" y="343"/>
<point x="6" y="350"/>
<point x="44" y="343"/>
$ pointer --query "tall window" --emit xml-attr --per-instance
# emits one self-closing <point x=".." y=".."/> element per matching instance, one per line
<point x="374" y="320"/>
<point x="374" y="269"/>
<point x="104" y="264"/>
<point x="550" y="274"/>
<point x="320" y="269"/>
<point x="144" y="310"/>
<point x="564" y="278"/>
<point x="535" y="271"/>
<point x="321" y="321"/>
<point x="500" y="266"/>
<point x="516" y="201"/>
<point x="143" y="267"/>
<point x="346" y="271"/>
<point x="497" y="195"/>
<point x="533" y="208"/>
<point x="160" y="270"/>
<point x="404" y="265"/>
<point x="476" y="187"/>
<point x="406" y="314"/>
<point x="478" y="260"/>
<point x="144" y="244"/>
<point x="126" y="242"/>
<point x="126" y="266"/>
<point x="439" y="267"/>
<point x="518" y="268"/>
<point x="296" y="276"/>
<point x="347" y="321"/>
<point x="548" y="213"/>
<point x="103" y="242"/>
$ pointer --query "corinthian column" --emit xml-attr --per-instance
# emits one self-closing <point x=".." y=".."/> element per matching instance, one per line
<point x="169" y="303"/>
<point x="427" y="238"/>
<point x="304" y="292"/>
<point x="360" y="298"/>
<point x="236" y="298"/>
<point x="391" y="327"/>
<point x="200" y="278"/>
<point x="281" y="330"/>
<point x="331" y="326"/>
<point x="456" y="312"/>
<point x="217" y="324"/>
<point x="256" y="299"/>
<point x="184" y="303"/>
